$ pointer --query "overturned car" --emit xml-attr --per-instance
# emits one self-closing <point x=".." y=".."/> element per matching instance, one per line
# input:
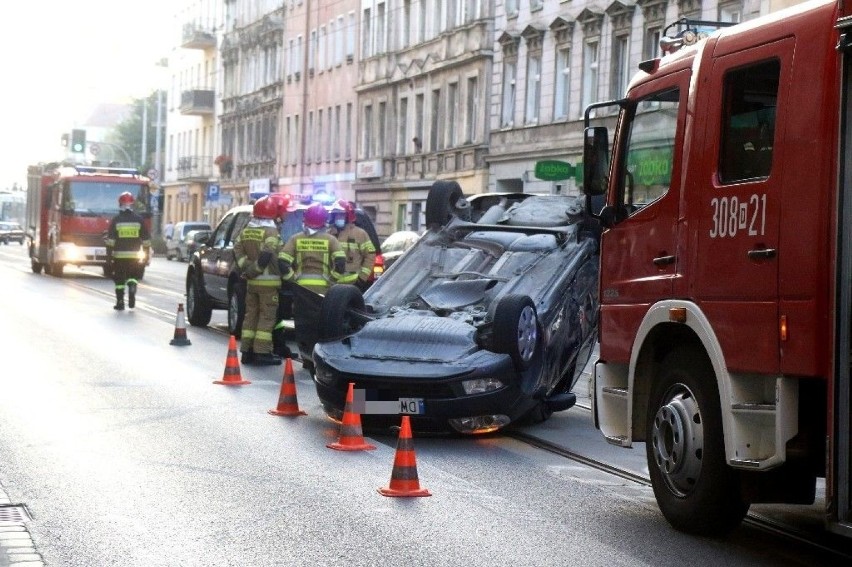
<point x="487" y="320"/>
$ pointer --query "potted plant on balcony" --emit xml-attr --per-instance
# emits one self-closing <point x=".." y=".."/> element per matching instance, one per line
<point x="225" y="163"/>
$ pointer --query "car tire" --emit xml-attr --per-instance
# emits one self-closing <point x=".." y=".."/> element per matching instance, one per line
<point x="36" y="267"/>
<point x="696" y="490"/>
<point x="442" y="202"/>
<point x="198" y="309"/>
<point x="334" y="317"/>
<point x="236" y="309"/>
<point x="515" y="329"/>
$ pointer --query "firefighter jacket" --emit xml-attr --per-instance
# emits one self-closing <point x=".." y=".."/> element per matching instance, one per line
<point x="260" y="235"/>
<point x="315" y="260"/>
<point x="126" y="234"/>
<point x="360" y="253"/>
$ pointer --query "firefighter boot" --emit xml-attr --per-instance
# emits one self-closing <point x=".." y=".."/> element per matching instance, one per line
<point x="131" y="294"/>
<point x="119" y="300"/>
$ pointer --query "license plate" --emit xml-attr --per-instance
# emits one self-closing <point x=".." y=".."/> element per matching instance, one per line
<point x="100" y="251"/>
<point x="411" y="406"/>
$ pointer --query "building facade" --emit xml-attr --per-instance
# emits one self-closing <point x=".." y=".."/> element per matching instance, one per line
<point x="192" y="133"/>
<point x="318" y="117"/>
<point x="553" y="58"/>
<point x="423" y="87"/>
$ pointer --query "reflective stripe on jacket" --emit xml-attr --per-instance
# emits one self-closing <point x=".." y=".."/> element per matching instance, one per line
<point x="312" y="258"/>
<point x="260" y="235"/>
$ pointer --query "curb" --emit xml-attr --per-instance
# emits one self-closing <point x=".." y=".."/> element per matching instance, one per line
<point x="17" y="548"/>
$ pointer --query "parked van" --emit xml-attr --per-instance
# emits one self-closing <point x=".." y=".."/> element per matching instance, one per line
<point x="176" y="247"/>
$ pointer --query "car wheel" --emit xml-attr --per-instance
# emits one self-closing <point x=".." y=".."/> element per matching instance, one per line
<point x="198" y="310"/>
<point x="696" y="490"/>
<point x="236" y="309"/>
<point x="516" y="329"/>
<point x="36" y="267"/>
<point x="335" y="318"/>
<point x="5" y="241"/>
<point x="445" y="199"/>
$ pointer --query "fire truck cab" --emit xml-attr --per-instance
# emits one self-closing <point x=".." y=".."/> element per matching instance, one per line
<point x="726" y="266"/>
<point x="69" y="208"/>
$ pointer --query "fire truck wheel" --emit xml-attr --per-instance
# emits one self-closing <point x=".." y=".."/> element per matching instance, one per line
<point x="696" y="490"/>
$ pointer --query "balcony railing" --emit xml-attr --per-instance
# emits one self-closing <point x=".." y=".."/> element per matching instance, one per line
<point x="198" y="102"/>
<point x="195" y="167"/>
<point x="196" y="36"/>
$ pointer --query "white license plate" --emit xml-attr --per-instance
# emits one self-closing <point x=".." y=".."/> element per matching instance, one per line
<point x="100" y="251"/>
<point x="411" y="406"/>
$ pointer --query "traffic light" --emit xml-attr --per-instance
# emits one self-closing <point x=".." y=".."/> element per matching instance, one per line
<point x="65" y="138"/>
<point x="78" y="141"/>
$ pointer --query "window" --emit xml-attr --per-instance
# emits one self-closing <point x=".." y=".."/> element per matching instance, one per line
<point x="318" y="136"/>
<point x="401" y="214"/>
<point x="419" y="109"/>
<point x="472" y="118"/>
<point x="511" y="8"/>
<point x="651" y="49"/>
<point x="321" y="55"/>
<point x="350" y="37"/>
<point x="310" y="148"/>
<point x="337" y="132"/>
<point x="406" y="23"/>
<point x="368" y="131"/>
<point x="748" y="122"/>
<point x="508" y="115"/>
<point x="435" y="129"/>
<point x="312" y="51"/>
<point x="402" y="138"/>
<point x="381" y="35"/>
<point x="421" y="21"/>
<point x="533" y="94"/>
<point x="366" y="34"/>
<point x="561" y="83"/>
<point x="416" y="211"/>
<point x="383" y="121"/>
<point x="452" y="106"/>
<point x="619" y="66"/>
<point x="650" y="149"/>
<point x="590" y="73"/>
<point x="348" y="139"/>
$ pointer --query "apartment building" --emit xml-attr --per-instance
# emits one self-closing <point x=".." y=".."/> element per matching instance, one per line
<point x="424" y="77"/>
<point x="554" y="57"/>
<point x="191" y="142"/>
<point x="317" y="156"/>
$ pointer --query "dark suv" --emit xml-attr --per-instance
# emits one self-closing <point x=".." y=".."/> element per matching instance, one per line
<point x="212" y="281"/>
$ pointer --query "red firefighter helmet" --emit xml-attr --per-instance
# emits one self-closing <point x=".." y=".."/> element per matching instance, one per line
<point x="316" y="216"/>
<point x="282" y="201"/>
<point x="126" y="200"/>
<point x="345" y="207"/>
<point x="265" y="208"/>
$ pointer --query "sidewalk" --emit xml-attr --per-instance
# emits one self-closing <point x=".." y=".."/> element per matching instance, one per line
<point x="16" y="546"/>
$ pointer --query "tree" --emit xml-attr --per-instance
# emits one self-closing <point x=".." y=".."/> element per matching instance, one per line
<point x="128" y="133"/>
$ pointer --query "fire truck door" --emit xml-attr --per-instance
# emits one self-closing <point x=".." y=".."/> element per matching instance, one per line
<point x="639" y="260"/>
<point x="735" y="276"/>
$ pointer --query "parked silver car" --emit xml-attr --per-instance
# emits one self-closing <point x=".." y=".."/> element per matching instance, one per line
<point x="177" y="246"/>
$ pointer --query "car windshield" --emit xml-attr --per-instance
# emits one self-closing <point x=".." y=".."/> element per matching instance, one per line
<point x="100" y="197"/>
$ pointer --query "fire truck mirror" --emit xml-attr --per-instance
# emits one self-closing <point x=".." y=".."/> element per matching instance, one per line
<point x="595" y="160"/>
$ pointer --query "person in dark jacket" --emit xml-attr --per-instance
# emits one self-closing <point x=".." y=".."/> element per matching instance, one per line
<point x="128" y="244"/>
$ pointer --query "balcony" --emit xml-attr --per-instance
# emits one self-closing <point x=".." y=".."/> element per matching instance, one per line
<point x="198" y="102"/>
<point x="195" y="168"/>
<point x="196" y="36"/>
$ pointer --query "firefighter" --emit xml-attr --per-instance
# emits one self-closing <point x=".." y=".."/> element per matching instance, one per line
<point x="127" y="237"/>
<point x="314" y="260"/>
<point x="256" y="251"/>
<point x="356" y="244"/>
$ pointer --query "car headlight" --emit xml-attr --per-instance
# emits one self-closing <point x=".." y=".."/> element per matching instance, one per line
<point x="481" y="385"/>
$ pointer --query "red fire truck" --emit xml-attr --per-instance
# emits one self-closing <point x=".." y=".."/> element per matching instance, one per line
<point x="69" y="208"/>
<point x="726" y="265"/>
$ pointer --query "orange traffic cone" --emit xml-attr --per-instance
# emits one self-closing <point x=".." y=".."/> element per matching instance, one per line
<point x="287" y="402"/>
<point x="180" y="329"/>
<point x="351" y="438"/>
<point x="403" y="481"/>
<point x="232" y="376"/>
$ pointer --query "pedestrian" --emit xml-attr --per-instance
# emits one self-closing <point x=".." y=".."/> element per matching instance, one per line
<point x="356" y="244"/>
<point x="256" y="251"/>
<point x="169" y="230"/>
<point x="127" y="237"/>
<point x="314" y="260"/>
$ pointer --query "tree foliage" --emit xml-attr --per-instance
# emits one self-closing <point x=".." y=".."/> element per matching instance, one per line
<point x="128" y="133"/>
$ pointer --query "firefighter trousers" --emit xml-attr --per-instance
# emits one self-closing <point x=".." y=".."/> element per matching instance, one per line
<point x="261" y="309"/>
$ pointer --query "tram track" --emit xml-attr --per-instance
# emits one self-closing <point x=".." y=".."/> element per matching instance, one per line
<point x="825" y="543"/>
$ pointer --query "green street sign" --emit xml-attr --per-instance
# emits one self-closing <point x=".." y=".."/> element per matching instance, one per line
<point x="554" y="170"/>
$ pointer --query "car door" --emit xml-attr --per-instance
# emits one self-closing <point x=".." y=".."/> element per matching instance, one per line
<point x="214" y="258"/>
<point x="735" y="277"/>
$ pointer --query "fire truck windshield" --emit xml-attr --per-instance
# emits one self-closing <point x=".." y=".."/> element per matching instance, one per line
<point x="100" y="197"/>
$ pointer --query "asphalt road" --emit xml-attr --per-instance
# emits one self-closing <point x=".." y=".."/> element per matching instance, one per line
<point x="124" y="452"/>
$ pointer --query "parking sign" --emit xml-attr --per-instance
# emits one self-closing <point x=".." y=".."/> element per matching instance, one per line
<point x="212" y="193"/>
